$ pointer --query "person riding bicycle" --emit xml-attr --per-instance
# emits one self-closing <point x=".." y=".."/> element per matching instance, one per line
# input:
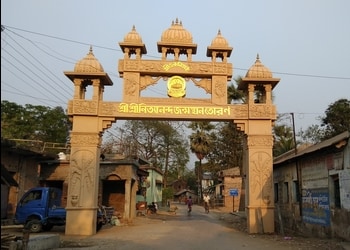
<point x="206" y="199"/>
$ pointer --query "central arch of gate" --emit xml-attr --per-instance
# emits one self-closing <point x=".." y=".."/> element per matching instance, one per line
<point x="91" y="117"/>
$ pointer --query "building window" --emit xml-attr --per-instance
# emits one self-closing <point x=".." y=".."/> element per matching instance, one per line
<point x="285" y="192"/>
<point x="334" y="191"/>
<point x="276" y="192"/>
<point x="296" y="191"/>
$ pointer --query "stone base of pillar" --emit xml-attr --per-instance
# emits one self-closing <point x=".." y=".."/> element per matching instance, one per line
<point x="260" y="220"/>
<point x="81" y="221"/>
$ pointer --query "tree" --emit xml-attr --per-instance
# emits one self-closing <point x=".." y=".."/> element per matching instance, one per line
<point x="337" y="119"/>
<point x="191" y="179"/>
<point x="233" y="94"/>
<point x="160" y="142"/>
<point x="227" y="141"/>
<point x="312" y="135"/>
<point x="31" y="122"/>
<point x="200" y="145"/>
<point x="227" y="148"/>
<point x="283" y="139"/>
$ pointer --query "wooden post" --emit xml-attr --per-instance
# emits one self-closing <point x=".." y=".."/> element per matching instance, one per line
<point x="233" y="203"/>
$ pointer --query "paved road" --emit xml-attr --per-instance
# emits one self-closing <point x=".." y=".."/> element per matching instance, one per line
<point x="180" y="231"/>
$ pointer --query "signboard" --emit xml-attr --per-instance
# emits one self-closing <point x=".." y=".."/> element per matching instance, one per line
<point x="316" y="209"/>
<point x="234" y="192"/>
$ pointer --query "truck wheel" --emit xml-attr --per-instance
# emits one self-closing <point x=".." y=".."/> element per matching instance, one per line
<point x="34" y="226"/>
<point x="47" y="227"/>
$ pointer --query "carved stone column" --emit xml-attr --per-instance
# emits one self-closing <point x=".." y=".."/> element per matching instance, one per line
<point x="259" y="174"/>
<point x="83" y="182"/>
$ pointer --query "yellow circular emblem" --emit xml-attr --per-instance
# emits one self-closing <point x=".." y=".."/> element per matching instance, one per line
<point x="176" y="86"/>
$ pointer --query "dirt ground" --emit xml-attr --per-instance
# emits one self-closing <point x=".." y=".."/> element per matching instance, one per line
<point x="240" y="223"/>
<point x="232" y="220"/>
<point x="109" y="234"/>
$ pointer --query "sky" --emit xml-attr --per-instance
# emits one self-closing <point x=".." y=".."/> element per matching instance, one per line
<point x="305" y="43"/>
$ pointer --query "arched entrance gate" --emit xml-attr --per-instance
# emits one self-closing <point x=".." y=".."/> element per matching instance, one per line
<point x="91" y="117"/>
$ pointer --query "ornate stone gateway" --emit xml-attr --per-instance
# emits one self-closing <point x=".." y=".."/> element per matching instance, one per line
<point x="91" y="117"/>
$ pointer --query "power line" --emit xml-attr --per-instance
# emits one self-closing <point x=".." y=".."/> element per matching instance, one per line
<point x="26" y="58"/>
<point x="113" y="49"/>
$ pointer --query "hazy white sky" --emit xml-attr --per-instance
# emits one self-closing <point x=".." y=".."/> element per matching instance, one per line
<point x="303" y="42"/>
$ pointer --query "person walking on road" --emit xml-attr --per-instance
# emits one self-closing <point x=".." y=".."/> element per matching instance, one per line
<point x="189" y="205"/>
<point x="206" y="199"/>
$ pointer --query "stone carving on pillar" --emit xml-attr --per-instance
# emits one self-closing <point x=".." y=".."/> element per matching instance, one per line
<point x="220" y="88"/>
<point x="260" y="140"/>
<point x="260" y="163"/>
<point x="85" y="107"/>
<point x="82" y="176"/>
<point x="131" y="85"/>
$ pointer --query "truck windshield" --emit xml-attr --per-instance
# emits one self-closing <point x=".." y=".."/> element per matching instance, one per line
<point x="34" y="195"/>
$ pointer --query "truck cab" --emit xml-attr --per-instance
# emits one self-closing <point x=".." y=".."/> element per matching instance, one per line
<point x="39" y="209"/>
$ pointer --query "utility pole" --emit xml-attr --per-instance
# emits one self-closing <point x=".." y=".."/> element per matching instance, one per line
<point x="297" y="167"/>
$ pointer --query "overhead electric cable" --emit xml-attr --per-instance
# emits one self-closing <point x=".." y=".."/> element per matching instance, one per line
<point x="56" y="86"/>
<point x="41" y="85"/>
<point x="113" y="49"/>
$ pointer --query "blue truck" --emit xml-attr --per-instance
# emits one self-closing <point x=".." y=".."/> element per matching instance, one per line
<point x="40" y="209"/>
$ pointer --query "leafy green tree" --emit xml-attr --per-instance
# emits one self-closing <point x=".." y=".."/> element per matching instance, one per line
<point x="312" y="135"/>
<point x="200" y="145"/>
<point x="335" y="121"/>
<point x="283" y="139"/>
<point x="227" y="148"/>
<point x="191" y="179"/>
<point x="31" y="122"/>
<point x="337" y="118"/>
<point x="200" y="139"/>
<point x="233" y="94"/>
<point x="167" y="194"/>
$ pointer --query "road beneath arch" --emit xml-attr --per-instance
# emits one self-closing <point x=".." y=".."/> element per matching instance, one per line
<point x="167" y="231"/>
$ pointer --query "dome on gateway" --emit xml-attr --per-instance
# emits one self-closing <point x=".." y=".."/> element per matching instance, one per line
<point x="219" y="41"/>
<point x="133" y="37"/>
<point x="258" y="70"/>
<point x="176" y="34"/>
<point x="89" y="64"/>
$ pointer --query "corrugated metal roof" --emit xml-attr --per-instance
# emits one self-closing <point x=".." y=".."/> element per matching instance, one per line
<point x="334" y="140"/>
